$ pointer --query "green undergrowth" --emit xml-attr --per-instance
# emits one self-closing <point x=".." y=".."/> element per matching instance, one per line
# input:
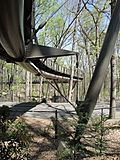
<point x="14" y="137"/>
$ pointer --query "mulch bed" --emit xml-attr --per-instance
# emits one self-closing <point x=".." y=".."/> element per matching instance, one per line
<point x="44" y="146"/>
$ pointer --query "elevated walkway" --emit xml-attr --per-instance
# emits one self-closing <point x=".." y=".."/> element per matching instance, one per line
<point x="16" y="42"/>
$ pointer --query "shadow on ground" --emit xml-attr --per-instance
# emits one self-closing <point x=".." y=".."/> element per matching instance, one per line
<point x="20" y="109"/>
<point x="43" y="145"/>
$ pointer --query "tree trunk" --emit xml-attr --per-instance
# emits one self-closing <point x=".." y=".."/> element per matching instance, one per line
<point x="2" y="78"/>
<point x="71" y="78"/>
<point x="113" y="87"/>
<point x="113" y="77"/>
<point x="27" y="86"/>
<point x="72" y="57"/>
<point x="30" y="86"/>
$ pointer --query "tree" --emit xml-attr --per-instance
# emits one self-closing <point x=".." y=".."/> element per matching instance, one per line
<point x="113" y="77"/>
<point x="27" y="85"/>
<point x="87" y="107"/>
<point x="91" y="30"/>
<point x="73" y="48"/>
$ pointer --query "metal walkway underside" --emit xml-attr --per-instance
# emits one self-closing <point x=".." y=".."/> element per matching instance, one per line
<point x="16" y="43"/>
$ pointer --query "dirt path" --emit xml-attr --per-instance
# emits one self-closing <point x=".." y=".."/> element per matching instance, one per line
<point x="44" y="146"/>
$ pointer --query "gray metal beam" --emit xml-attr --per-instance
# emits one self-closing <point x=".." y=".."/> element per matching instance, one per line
<point x="39" y="51"/>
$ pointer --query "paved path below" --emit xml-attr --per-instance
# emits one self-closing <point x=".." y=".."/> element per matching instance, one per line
<point x="44" y="111"/>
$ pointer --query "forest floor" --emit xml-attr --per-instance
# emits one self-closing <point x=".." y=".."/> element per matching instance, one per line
<point x="44" y="146"/>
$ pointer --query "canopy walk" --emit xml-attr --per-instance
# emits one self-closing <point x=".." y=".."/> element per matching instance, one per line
<point x="16" y="36"/>
<point x="16" y="41"/>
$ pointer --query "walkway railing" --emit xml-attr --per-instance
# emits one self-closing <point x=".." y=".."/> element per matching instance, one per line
<point x="57" y="114"/>
<point x="51" y="64"/>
